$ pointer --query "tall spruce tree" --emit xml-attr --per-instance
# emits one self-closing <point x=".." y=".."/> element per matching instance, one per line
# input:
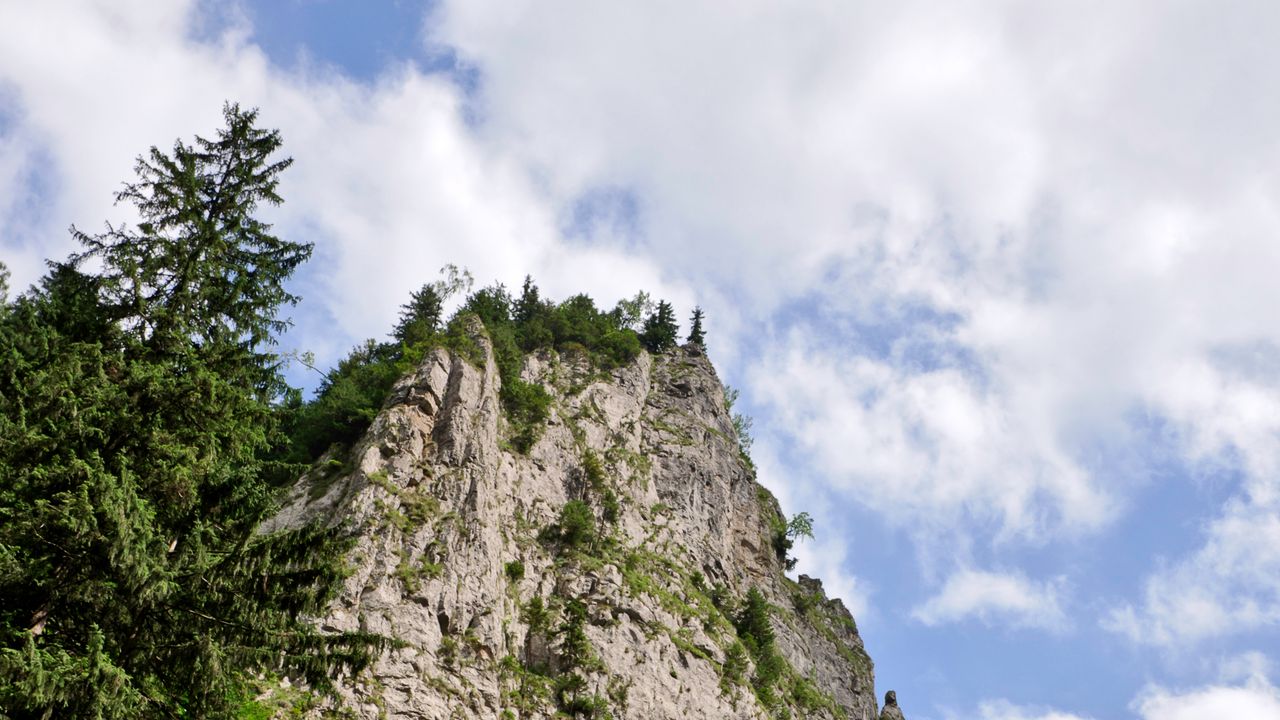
<point x="529" y="304"/>
<point x="756" y="632"/>
<point x="660" y="329"/>
<point x="200" y="270"/>
<point x="135" y="403"/>
<point x="420" y="317"/>
<point x="696" y="335"/>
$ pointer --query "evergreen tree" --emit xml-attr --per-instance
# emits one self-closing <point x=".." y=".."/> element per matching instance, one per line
<point x="200" y="271"/>
<point x="660" y="329"/>
<point x="756" y="632"/>
<point x="134" y="408"/>
<point x="423" y="316"/>
<point x="575" y="647"/>
<point x="696" y="335"/>
<point x="420" y="317"/>
<point x="753" y="623"/>
<point x="532" y="317"/>
<point x="529" y="304"/>
<point x="493" y="304"/>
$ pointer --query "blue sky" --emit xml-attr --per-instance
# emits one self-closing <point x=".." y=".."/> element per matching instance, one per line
<point x="995" y="280"/>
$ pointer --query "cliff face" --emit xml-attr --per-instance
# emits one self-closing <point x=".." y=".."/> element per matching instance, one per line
<point x="600" y="574"/>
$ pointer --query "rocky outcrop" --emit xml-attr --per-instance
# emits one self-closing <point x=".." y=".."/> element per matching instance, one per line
<point x="891" y="711"/>
<point x="601" y="572"/>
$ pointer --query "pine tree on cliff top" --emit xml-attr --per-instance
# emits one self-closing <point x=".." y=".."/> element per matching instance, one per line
<point x="660" y="329"/>
<point x="696" y="335"/>
<point x="420" y="317"/>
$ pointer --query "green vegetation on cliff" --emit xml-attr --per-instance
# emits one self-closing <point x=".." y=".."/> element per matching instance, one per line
<point x="352" y="393"/>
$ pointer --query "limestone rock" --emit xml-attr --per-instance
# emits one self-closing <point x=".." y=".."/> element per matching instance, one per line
<point x="891" y="710"/>
<point x="457" y="557"/>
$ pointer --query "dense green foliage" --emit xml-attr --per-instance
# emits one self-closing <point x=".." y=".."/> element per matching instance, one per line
<point x="420" y="317"/>
<point x="660" y="329"/>
<point x="352" y="393"/>
<point x="756" y="634"/>
<point x="136" y="385"/>
<point x="576" y="527"/>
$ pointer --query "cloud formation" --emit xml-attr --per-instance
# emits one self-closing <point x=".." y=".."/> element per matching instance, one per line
<point x="1231" y="585"/>
<point x="1255" y="698"/>
<point x="1005" y="710"/>
<point x="996" y="598"/>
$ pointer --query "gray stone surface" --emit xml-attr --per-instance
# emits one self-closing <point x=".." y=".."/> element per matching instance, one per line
<point x="441" y="506"/>
<point x="891" y="711"/>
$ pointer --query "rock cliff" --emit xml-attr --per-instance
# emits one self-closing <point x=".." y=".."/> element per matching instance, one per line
<point x="607" y="572"/>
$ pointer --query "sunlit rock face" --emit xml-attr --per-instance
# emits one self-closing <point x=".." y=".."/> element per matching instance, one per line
<point x="603" y="571"/>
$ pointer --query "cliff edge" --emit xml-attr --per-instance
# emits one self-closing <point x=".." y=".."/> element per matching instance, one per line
<point x="626" y="566"/>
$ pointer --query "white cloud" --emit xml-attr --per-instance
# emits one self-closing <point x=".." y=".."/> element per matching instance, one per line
<point x="1005" y="710"/>
<point x="1230" y="585"/>
<point x="996" y="598"/>
<point x="1256" y="698"/>
<point x="931" y="448"/>
<point x="1243" y="696"/>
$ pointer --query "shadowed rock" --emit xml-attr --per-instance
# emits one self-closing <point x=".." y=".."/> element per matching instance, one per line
<point x="891" y="711"/>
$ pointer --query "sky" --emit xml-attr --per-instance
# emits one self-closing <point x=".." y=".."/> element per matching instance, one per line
<point x="996" y="280"/>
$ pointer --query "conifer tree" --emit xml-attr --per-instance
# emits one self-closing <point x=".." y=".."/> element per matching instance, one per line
<point x="420" y="317"/>
<point x="201" y="271"/>
<point x="529" y="303"/>
<point x="696" y="335"/>
<point x="753" y="623"/>
<point x="532" y="317"/>
<point x="575" y="646"/>
<point x="134" y="408"/>
<point x="660" y="329"/>
<point x="423" y="315"/>
<point x="756" y="632"/>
